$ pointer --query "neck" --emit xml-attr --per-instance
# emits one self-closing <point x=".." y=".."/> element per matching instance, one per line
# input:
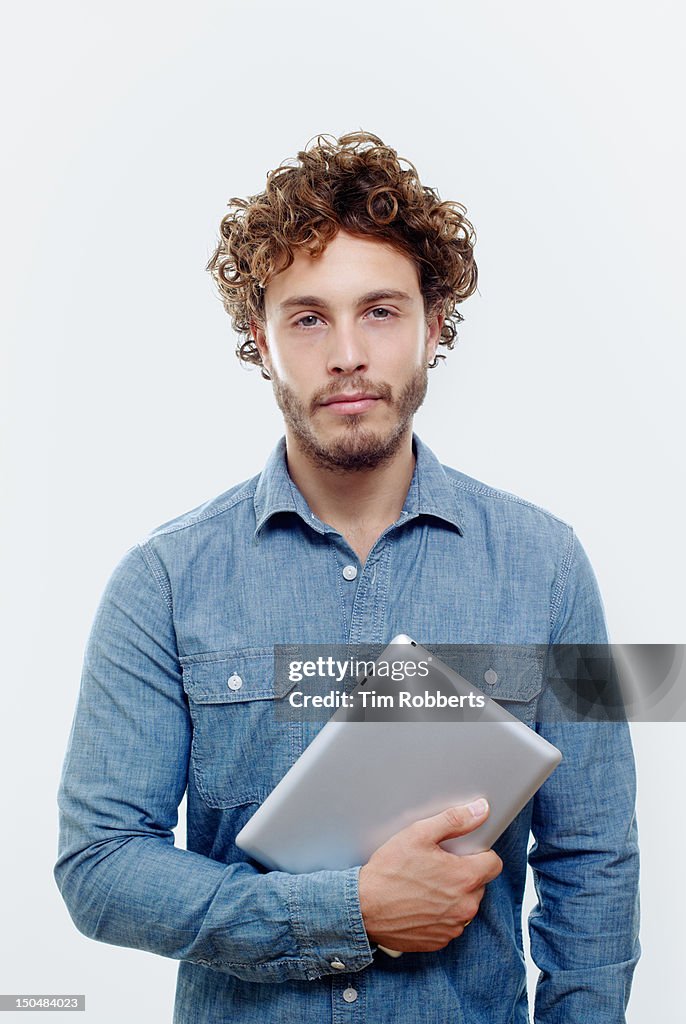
<point x="358" y="498"/>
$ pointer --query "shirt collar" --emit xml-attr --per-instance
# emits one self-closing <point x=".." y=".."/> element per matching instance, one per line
<point x="430" y="492"/>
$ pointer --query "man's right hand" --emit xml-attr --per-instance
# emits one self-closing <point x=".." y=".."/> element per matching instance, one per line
<point x="414" y="895"/>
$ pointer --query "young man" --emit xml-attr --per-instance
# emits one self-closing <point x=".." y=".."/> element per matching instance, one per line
<point x="342" y="279"/>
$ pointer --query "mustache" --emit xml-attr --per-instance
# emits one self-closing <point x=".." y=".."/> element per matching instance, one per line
<point x="355" y="384"/>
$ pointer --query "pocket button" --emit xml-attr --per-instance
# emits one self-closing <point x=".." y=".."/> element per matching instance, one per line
<point x="491" y="677"/>
<point x="235" y="682"/>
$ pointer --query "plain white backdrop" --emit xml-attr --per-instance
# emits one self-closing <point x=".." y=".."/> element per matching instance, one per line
<point x="127" y="128"/>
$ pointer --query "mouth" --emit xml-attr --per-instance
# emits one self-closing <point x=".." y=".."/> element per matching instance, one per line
<point x="350" y="404"/>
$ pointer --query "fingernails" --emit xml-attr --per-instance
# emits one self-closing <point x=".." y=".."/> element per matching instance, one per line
<point x="478" y="808"/>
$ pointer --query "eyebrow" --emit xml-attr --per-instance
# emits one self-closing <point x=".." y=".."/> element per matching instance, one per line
<point x="301" y="301"/>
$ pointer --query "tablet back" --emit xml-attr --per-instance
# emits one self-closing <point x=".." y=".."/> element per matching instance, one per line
<point x="369" y="772"/>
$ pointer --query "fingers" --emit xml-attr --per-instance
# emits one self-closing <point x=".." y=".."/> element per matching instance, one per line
<point x="453" y="821"/>
<point x="492" y="866"/>
<point x="468" y="907"/>
<point x="478" y="869"/>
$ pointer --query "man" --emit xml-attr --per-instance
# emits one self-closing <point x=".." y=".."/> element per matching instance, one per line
<point x="342" y="279"/>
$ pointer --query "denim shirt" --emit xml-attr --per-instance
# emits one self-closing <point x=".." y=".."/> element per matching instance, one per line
<point x="202" y="600"/>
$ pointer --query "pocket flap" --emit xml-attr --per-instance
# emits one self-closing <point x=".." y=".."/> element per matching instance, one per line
<point x="505" y="672"/>
<point x="230" y="677"/>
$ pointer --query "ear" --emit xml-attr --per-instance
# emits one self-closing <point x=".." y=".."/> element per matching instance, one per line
<point x="433" y="336"/>
<point x="260" y="339"/>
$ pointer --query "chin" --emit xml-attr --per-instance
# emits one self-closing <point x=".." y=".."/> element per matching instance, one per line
<point x="358" y="448"/>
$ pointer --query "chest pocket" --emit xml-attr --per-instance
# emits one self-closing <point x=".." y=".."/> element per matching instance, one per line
<point x="511" y="675"/>
<point x="240" y="747"/>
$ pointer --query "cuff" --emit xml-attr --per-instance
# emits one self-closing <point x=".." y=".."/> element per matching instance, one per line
<point x="327" y="922"/>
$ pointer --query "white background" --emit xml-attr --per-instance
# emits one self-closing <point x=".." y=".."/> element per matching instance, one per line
<point x="127" y="128"/>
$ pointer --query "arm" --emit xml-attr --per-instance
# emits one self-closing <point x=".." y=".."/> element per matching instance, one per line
<point x="584" y="930"/>
<point x="124" y="775"/>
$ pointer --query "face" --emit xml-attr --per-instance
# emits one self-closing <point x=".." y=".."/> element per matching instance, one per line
<point x="347" y="345"/>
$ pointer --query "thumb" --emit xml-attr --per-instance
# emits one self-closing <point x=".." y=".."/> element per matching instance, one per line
<point x="453" y="821"/>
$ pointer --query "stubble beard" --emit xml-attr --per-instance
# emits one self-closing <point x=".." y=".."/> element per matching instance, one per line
<point x="359" y="447"/>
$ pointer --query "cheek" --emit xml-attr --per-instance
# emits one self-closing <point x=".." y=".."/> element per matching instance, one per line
<point x="295" y="369"/>
<point x="400" y="356"/>
<point x="278" y="357"/>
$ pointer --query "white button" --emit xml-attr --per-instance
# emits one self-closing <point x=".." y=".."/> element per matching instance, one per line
<point x="350" y="572"/>
<point x="491" y="677"/>
<point x="350" y="995"/>
<point x="338" y="964"/>
<point x="235" y="682"/>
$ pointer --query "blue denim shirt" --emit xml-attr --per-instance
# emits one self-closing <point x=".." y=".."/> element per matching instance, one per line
<point x="205" y="597"/>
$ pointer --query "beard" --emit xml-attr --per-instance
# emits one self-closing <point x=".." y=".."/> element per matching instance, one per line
<point x="359" y="447"/>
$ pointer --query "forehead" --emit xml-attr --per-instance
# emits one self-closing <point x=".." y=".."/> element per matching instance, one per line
<point x="349" y="267"/>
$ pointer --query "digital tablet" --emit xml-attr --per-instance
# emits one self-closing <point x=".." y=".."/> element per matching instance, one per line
<point x="371" y="771"/>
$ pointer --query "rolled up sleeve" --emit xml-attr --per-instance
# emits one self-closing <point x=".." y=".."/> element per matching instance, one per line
<point x="124" y="775"/>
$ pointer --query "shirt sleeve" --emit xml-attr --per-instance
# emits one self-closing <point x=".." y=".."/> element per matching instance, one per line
<point x="123" y="778"/>
<point x="585" y="860"/>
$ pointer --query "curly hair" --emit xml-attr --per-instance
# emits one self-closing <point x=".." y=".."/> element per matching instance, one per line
<point x="356" y="183"/>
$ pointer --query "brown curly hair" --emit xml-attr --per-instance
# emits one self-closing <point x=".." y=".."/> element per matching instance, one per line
<point x="356" y="183"/>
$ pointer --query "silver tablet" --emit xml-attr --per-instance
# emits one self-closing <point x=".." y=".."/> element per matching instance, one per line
<point x="369" y="773"/>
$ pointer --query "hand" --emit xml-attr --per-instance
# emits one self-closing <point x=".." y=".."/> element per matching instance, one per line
<point x="417" y="897"/>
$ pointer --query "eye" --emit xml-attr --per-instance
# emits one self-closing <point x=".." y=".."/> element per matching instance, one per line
<point x="308" y="316"/>
<point x="387" y="314"/>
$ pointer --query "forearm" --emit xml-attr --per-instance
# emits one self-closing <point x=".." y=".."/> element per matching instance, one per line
<point x="585" y="859"/>
<point x="584" y="931"/>
<point x="144" y="893"/>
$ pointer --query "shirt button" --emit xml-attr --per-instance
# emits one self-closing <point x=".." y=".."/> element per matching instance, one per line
<point x="350" y="572"/>
<point x="234" y="682"/>
<point x="491" y="677"/>
<point x="350" y="995"/>
<point x="338" y="964"/>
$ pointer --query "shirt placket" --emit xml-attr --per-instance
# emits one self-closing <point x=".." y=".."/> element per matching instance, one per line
<point x="348" y="999"/>
<point x="364" y="593"/>
<point x="363" y="588"/>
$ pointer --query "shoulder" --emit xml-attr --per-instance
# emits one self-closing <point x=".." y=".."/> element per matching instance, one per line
<point x="200" y="539"/>
<point x="237" y="500"/>
<point x="533" y="544"/>
<point x="484" y="505"/>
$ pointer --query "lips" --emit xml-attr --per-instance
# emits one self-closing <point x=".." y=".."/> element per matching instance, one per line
<point x="347" y="404"/>
<point x="344" y="397"/>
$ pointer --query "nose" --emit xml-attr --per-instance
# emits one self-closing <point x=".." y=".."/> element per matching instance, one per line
<point x="347" y="351"/>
